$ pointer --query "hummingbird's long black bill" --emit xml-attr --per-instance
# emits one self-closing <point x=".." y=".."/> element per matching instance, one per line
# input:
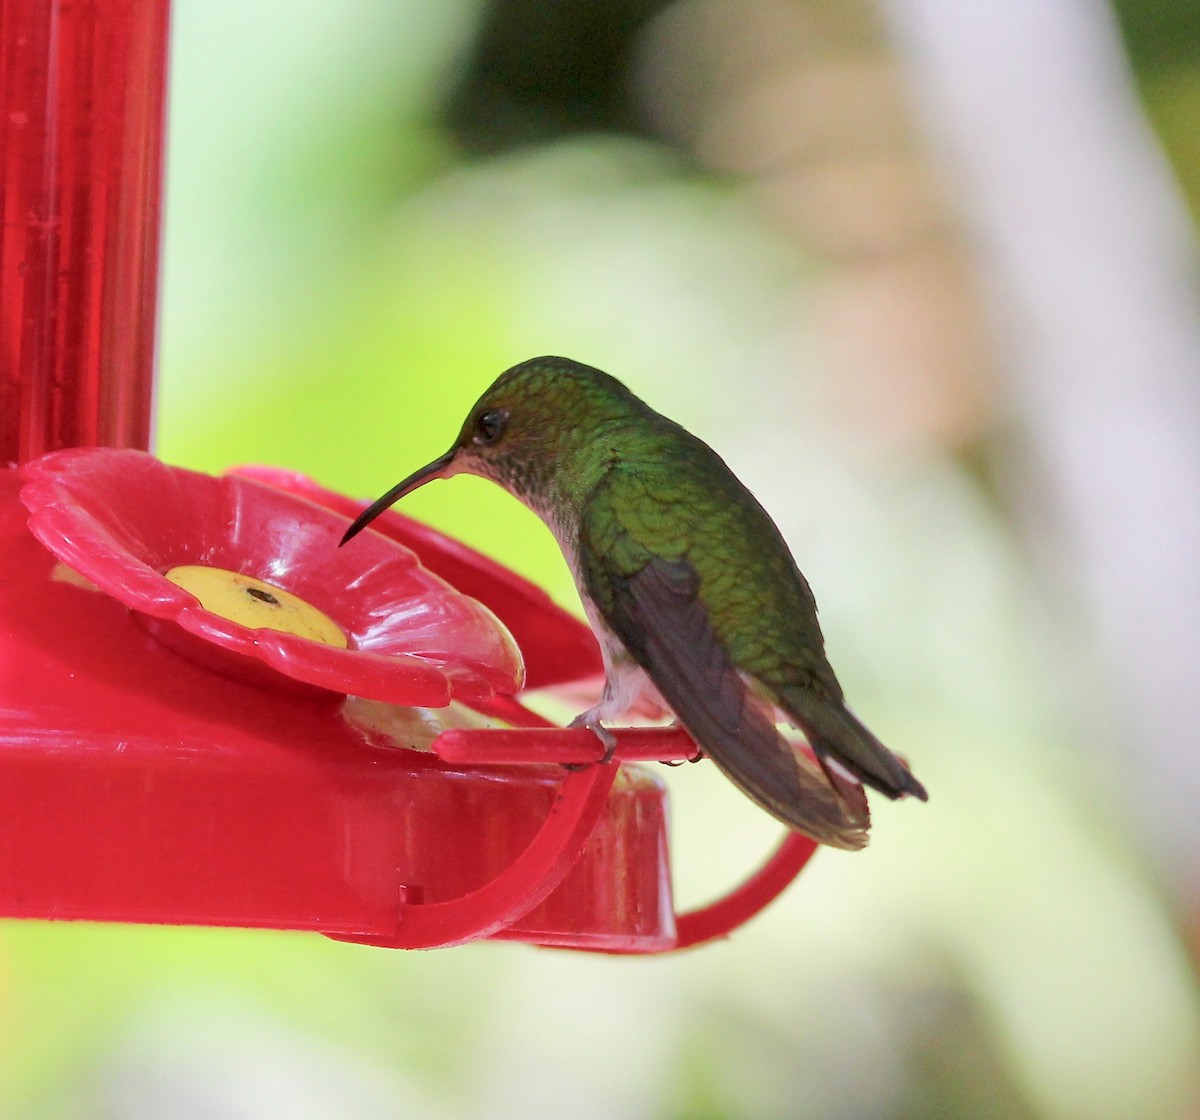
<point x="415" y="480"/>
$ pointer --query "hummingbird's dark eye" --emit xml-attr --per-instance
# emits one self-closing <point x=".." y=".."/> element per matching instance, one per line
<point x="489" y="425"/>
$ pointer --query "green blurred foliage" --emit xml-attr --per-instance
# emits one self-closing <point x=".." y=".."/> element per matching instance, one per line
<point x="1159" y="34"/>
<point x="1163" y="40"/>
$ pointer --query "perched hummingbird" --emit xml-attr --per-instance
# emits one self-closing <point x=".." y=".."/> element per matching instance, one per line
<point x="687" y="583"/>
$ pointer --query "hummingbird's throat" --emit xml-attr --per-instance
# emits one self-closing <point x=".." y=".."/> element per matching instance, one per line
<point x="529" y="482"/>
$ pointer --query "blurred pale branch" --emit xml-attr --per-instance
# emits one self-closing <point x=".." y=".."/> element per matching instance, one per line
<point x="1089" y="259"/>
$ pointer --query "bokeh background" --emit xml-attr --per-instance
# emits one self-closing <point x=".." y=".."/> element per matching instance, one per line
<point x="924" y="272"/>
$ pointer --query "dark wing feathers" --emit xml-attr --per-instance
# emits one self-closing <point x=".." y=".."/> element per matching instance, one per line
<point x="837" y="733"/>
<point x="652" y="540"/>
<point x="657" y="613"/>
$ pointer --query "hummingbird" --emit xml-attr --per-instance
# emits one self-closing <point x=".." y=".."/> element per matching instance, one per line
<point x="688" y="585"/>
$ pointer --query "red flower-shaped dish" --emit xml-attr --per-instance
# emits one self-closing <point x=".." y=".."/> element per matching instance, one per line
<point x="123" y="519"/>
<point x="558" y="647"/>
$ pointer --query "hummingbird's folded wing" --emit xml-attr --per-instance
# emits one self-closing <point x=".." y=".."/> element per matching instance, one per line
<point x="658" y="615"/>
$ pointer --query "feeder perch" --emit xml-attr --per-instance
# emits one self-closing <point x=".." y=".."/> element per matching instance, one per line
<point x="211" y="715"/>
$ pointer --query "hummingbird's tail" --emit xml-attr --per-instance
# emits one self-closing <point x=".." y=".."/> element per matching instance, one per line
<point x="842" y="741"/>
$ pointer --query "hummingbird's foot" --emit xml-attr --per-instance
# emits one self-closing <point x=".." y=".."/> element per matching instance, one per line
<point x="591" y="721"/>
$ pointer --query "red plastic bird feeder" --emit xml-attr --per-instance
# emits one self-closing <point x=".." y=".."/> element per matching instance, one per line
<point x="211" y="715"/>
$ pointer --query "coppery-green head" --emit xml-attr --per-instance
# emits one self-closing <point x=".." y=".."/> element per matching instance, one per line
<point x="525" y="431"/>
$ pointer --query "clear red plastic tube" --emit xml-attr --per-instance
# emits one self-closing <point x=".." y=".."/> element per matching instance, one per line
<point x="82" y="90"/>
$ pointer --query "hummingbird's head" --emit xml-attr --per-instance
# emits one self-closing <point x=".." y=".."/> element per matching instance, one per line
<point x="526" y="432"/>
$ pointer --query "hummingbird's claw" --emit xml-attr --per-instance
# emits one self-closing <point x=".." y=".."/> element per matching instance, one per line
<point x="607" y="739"/>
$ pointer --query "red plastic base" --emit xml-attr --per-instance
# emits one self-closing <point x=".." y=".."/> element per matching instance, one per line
<point x="137" y="786"/>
